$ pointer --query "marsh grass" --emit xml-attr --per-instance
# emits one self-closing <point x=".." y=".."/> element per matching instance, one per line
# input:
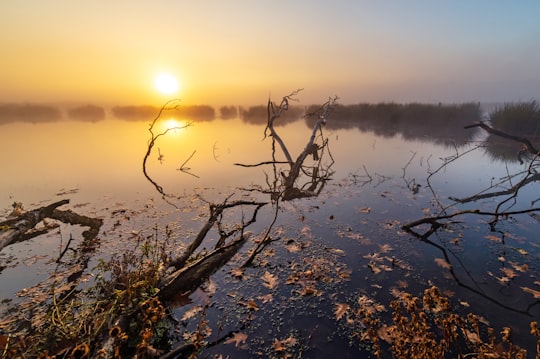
<point x="520" y="119"/>
<point x="73" y="325"/>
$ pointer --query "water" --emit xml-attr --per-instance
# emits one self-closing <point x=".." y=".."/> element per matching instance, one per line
<point x="332" y="249"/>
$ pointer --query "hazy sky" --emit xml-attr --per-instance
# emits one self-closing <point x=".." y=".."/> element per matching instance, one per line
<point x="242" y="51"/>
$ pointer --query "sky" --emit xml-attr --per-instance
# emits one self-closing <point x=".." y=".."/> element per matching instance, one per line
<point x="242" y="52"/>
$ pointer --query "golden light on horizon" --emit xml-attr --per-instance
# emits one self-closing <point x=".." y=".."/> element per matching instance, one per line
<point x="166" y="83"/>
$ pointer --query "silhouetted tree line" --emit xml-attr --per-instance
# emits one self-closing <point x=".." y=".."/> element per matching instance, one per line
<point x="259" y="115"/>
<point x="28" y="113"/>
<point x="90" y="113"/>
<point x="194" y="112"/>
<point x="439" y="123"/>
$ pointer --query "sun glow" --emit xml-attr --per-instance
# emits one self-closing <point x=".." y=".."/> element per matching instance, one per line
<point x="166" y="83"/>
<point x="174" y="125"/>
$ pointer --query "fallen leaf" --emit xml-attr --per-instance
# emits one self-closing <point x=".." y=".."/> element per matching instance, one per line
<point x="385" y="248"/>
<point x="252" y="305"/>
<point x="266" y="298"/>
<point x="471" y="336"/>
<point x="509" y="272"/>
<point x="493" y="238"/>
<point x="293" y="247"/>
<point x="464" y="303"/>
<point x="211" y="287"/>
<point x="364" y="210"/>
<point x="278" y="345"/>
<point x="191" y="312"/>
<point x="520" y="268"/>
<point x="443" y="263"/>
<point x="337" y="251"/>
<point x="270" y="280"/>
<point x="341" y="310"/>
<point x="237" y="272"/>
<point x="535" y="293"/>
<point x="521" y="251"/>
<point x="237" y="339"/>
<point x="281" y="345"/>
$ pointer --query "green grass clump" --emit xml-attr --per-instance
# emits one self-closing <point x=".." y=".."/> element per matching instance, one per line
<point x="522" y="118"/>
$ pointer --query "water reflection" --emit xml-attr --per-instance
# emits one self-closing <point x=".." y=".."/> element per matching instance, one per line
<point x="103" y="160"/>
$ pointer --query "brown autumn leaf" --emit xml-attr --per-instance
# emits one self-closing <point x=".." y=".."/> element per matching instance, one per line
<point x="284" y="344"/>
<point x="385" y="248"/>
<point x="237" y="339"/>
<point x="535" y="293"/>
<point x="471" y="336"/>
<point x="443" y="263"/>
<point x="266" y="298"/>
<point x="252" y="305"/>
<point x="493" y="238"/>
<point x="237" y="272"/>
<point x="520" y="268"/>
<point x="509" y="272"/>
<point x="278" y="345"/>
<point x="341" y="310"/>
<point x="364" y="210"/>
<point x="337" y="251"/>
<point x="269" y="280"/>
<point x="293" y="248"/>
<point x="191" y="312"/>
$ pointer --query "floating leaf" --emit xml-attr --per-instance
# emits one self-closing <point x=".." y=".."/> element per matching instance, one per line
<point x="521" y="251"/>
<point x="493" y="238"/>
<point x="237" y="339"/>
<point x="443" y="263"/>
<point x="237" y="272"/>
<point x="338" y="251"/>
<point x="535" y="293"/>
<point x="282" y="345"/>
<point x="266" y="298"/>
<point x="191" y="313"/>
<point x="520" y="268"/>
<point x="509" y="272"/>
<point x="293" y="247"/>
<point x="269" y="280"/>
<point x="341" y="310"/>
<point x="364" y="210"/>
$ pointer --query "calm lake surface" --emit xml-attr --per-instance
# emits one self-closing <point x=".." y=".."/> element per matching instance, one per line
<point x="349" y="237"/>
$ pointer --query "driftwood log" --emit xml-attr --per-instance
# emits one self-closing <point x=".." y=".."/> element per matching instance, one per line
<point x="16" y="229"/>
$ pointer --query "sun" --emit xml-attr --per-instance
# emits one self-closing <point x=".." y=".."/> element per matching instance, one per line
<point x="166" y="83"/>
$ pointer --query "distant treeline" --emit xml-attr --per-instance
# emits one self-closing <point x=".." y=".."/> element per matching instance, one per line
<point x="28" y="113"/>
<point x="136" y="113"/>
<point x="439" y="123"/>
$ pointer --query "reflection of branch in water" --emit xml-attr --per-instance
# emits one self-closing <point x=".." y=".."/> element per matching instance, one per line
<point x="411" y="185"/>
<point x="170" y="105"/>
<point x="425" y="238"/>
<point x="360" y="178"/>
<point x="446" y="162"/>
<point x="528" y="145"/>
<point x="186" y="170"/>
<point x="435" y="225"/>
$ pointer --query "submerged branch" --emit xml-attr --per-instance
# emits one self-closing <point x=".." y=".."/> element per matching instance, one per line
<point x="528" y="145"/>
